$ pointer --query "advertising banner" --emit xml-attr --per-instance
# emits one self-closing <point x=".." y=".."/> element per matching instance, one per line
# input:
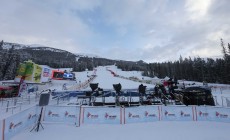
<point x="101" y="115"/>
<point x="20" y="121"/>
<point x="62" y="114"/>
<point x="29" y="71"/>
<point x="141" y="114"/>
<point x="218" y="114"/>
<point x="177" y="113"/>
<point x="201" y="113"/>
<point x="21" y="70"/>
<point x="46" y="72"/>
<point x="37" y="73"/>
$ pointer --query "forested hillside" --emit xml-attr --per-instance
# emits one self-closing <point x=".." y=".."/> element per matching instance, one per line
<point x="197" y="69"/>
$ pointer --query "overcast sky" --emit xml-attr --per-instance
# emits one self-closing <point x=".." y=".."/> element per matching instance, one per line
<point x="149" y="30"/>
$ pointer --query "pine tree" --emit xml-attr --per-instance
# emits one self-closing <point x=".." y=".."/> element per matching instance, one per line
<point x="1" y="45"/>
<point x="223" y="48"/>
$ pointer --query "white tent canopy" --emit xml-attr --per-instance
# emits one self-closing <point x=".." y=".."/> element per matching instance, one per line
<point x="155" y="80"/>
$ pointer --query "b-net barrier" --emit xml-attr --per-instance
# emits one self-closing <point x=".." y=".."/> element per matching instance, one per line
<point x="80" y="115"/>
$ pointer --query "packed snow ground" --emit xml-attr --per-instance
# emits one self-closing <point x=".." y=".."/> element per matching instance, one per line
<point x="155" y="130"/>
<point x="141" y="131"/>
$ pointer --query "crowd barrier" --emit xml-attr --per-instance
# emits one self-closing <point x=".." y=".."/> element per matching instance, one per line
<point x="141" y="114"/>
<point x="175" y="113"/>
<point x="62" y="114"/>
<point x="13" y="125"/>
<point x="80" y="115"/>
<point x="217" y="114"/>
<point x="101" y="115"/>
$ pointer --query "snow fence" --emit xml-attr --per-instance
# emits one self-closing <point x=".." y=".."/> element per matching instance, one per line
<point x="79" y="115"/>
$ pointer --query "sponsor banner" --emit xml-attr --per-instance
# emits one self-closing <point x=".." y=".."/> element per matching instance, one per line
<point x="46" y="72"/>
<point x="22" y="87"/>
<point x="21" y="70"/>
<point x="177" y="113"/>
<point x="29" y="71"/>
<point x="101" y="115"/>
<point x="37" y="73"/>
<point x="201" y="113"/>
<point x="20" y="121"/>
<point x="141" y="114"/>
<point x="62" y="114"/>
<point x="218" y="114"/>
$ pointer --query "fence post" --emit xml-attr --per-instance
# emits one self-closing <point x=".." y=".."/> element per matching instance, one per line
<point x="15" y="101"/>
<point x="7" y="106"/>
<point x="3" y="130"/>
<point x="2" y="101"/>
<point x="29" y="99"/>
<point x="58" y="101"/>
<point x="222" y="100"/>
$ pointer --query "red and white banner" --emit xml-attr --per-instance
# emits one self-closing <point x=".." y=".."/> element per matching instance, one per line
<point x="101" y="115"/>
<point x="62" y="114"/>
<point x="177" y="113"/>
<point x="18" y="122"/>
<point x="141" y="114"/>
<point x="209" y="113"/>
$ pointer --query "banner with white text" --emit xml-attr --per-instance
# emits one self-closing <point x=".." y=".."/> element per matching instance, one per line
<point x="62" y="114"/>
<point x="141" y="114"/>
<point x="101" y="115"/>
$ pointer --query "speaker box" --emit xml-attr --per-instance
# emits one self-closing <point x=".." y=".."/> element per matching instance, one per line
<point x="44" y="99"/>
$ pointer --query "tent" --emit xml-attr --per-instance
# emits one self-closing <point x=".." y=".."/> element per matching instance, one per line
<point x="155" y="80"/>
<point x="57" y="74"/>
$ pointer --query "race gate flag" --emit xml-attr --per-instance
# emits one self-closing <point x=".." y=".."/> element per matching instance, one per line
<point x="17" y="123"/>
<point x="63" y="114"/>
<point x="177" y="113"/>
<point x="141" y="114"/>
<point x="101" y="115"/>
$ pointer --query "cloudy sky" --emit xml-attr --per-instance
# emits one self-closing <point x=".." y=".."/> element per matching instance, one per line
<point x="149" y="30"/>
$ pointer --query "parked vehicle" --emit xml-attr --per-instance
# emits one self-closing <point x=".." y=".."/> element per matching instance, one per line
<point x="197" y="96"/>
<point x="8" y="91"/>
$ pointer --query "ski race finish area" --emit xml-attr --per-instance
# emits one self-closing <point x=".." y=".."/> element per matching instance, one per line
<point x="81" y="115"/>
